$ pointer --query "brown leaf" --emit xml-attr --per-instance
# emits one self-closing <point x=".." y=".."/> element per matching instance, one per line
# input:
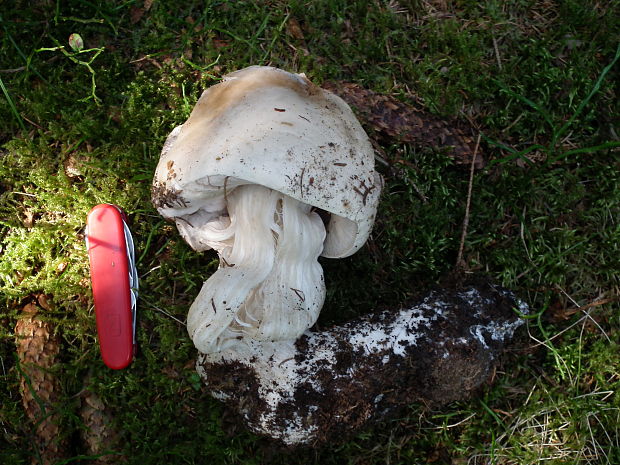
<point x="37" y="351"/>
<point x="220" y="43"/>
<point x="293" y="29"/>
<point x="72" y="166"/>
<point x="170" y="372"/>
<point x="349" y="32"/>
<point x="397" y="121"/>
<point x="115" y="114"/>
<point x="136" y="14"/>
<point x="29" y="219"/>
<point x="148" y="4"/>
<point x="44" y="301"/>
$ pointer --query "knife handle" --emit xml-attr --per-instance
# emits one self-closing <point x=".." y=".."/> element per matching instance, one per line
<point x="110" y="277"/>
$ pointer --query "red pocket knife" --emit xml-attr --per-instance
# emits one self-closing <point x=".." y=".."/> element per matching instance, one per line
<point x="115" y="283"/>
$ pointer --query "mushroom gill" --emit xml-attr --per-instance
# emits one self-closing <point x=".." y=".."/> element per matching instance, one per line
<point x="269" y="285"/>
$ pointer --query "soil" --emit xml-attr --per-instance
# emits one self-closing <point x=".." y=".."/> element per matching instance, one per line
<point x="446" y="353"/>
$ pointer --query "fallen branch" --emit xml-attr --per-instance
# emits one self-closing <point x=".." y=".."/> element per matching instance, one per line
<point x="387" y="117"/>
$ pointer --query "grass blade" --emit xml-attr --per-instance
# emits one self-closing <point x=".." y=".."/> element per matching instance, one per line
<point x="18" y="117"/>
<point x="527" y="101"/>
<point x="585" y="101"/>
<point x="593" y="149"/>
<point x="513" y="153"/>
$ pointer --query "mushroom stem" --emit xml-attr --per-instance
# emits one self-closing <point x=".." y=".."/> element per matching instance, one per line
<point x="269" y="285"/>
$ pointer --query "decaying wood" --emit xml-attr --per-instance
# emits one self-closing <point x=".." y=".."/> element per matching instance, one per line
<point x="389" y="118"/>
<point x="37" y="350"/>
<point x="327" y="385"/>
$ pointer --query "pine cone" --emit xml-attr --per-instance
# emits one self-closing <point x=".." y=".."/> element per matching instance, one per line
<point x="392" y="119"/>
<point x="99" y="436"/>
<point x="37" y="349"/>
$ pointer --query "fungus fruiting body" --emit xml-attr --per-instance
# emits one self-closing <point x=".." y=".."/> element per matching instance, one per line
<point x="328" y="384"/>
<point x="272" y="172"/>
<point x="261" y="155"/>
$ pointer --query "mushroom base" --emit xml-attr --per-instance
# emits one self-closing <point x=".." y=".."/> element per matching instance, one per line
<point x="327" y="385"/>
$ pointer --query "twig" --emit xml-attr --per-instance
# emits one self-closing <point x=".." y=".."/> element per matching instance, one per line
<point x="555" y="336"/>
<point x="459" y="258"/>
<point x="496" y="48"/>
<point x="166" y="313"/>
<point x="574" y="310"/>
<point x="150" y="304"/>
<point x="32" y="122"/>
<point x="582" y="308"/>
<point x="509" y="127"/>
<point x="453" y="425"/>
<point x="13" y="70"/>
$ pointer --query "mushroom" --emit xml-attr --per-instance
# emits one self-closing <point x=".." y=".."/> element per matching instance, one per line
<point x="271" y="171"/>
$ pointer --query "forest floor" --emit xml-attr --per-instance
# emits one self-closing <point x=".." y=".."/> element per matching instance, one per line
<point x="83" y="123"/>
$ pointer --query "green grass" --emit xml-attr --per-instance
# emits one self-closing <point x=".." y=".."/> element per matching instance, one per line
<point x="81" y="127"/>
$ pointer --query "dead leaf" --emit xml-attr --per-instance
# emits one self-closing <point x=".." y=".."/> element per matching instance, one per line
<point x="148" y="4"/>
<point x="135" y="14"/>
<point x="349" y="32"/>
<point x="219" y="43"/>
<point x="29" y="219"/>
<point x="72" y="166"/>
<point x="170" y="372"/>
<point x="293" y="29"/>
<point x="44" y="302"/>
<point x="115" y="114"/>
<point x="391" y="119"/>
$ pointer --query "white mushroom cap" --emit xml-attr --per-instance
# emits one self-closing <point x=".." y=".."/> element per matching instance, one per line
<point x="265" y="126"/>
